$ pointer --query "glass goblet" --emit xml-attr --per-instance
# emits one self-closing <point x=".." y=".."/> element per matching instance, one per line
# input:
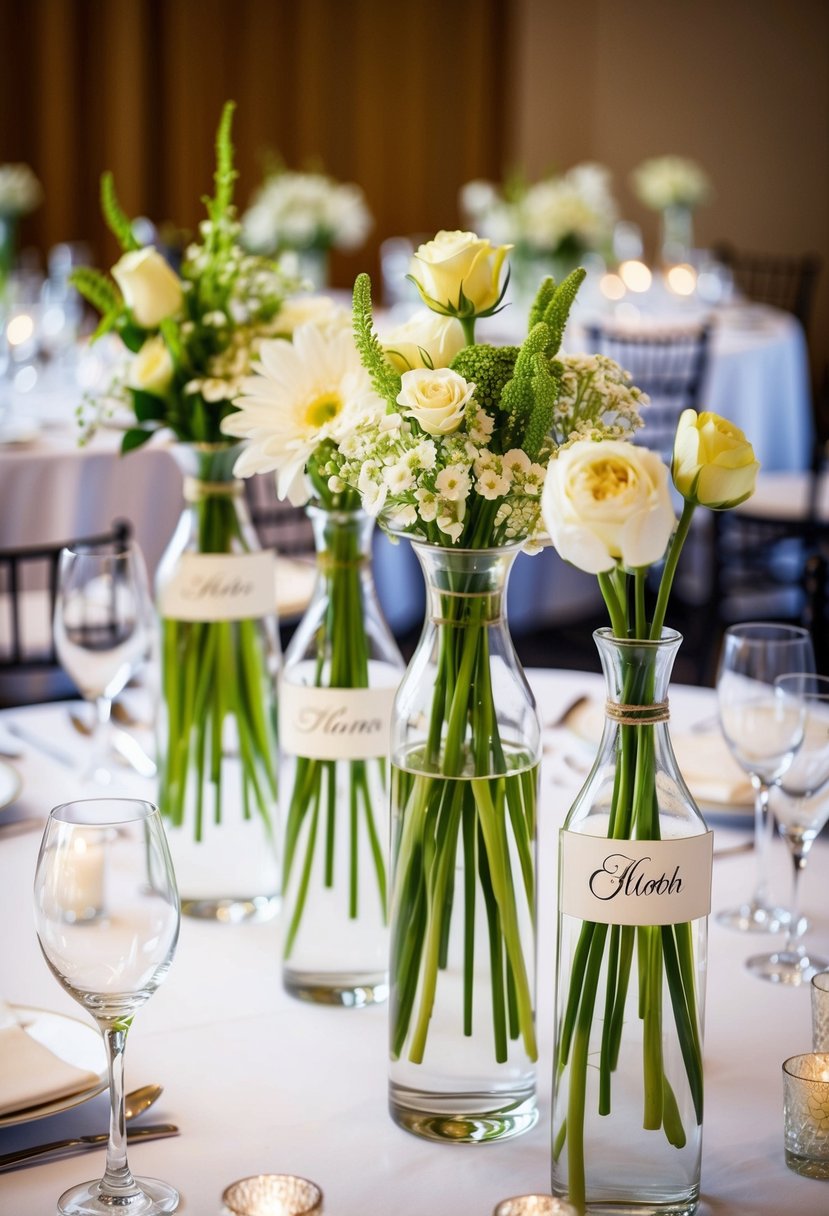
<point x="763" y="728"/>
<point x="107" y="919"/>
<point x="102" y="630"/>
<point x="800" y="805"/>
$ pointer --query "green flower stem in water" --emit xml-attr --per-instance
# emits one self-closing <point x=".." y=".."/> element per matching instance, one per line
<point x="463" y="794"/>
<point x="342" y="661"/>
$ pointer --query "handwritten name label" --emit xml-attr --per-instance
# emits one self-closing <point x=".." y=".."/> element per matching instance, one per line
<point x="334" y="723"/>
<point x="220" y="587"/>
<point x="635" y="882"/>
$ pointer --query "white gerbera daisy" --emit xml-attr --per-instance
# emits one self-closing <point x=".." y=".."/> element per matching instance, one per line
<point x="306" y="391"/>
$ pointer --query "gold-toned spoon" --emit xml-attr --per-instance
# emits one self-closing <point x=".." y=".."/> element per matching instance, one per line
<point x="139" y="1100"/>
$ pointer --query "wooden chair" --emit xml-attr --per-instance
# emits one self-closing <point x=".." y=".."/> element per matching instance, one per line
<point x="278" y="524"/>
<point x="667" y="364"/>
<point x="29" y="666"/>
<point x="782" y="280"/>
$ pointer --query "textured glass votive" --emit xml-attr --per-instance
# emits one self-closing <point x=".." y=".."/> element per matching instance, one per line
<point x="820" y="1011"/>
<point x="273" y="1195"/>
<point x="534" y="1205"/>
<point x="806" y="1114"/>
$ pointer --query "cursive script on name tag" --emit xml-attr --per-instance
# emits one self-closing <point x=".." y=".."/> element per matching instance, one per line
<point x="220" y="587"/>
<point x="334" y="723"/>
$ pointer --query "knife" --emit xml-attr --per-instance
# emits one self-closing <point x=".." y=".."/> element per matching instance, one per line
<point x="152" y="1131"/>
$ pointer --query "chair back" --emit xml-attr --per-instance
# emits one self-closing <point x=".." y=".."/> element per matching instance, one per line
<point x="668" y="365"/>
<point x="29" y="666"/>
<point x="782" y="280"/>
<point x="278" y="524"/>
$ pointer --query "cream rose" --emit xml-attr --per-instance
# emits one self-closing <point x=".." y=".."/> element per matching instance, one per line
<point x="607" y="502"/>
<point x="713" y="462"/>
<point x="459" y="261"/>
<point x="425" y="340"/>
<point x="151" y="289"/>
<point x="151" y="370"/>
<point x="436" y="399"/>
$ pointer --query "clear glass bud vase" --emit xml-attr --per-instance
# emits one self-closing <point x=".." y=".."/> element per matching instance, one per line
<point x="216" y="594"/>
<point x="341" y="672"/>
<point x="634" y="897"/>
<point x="465" y="755"/>
<point x="677" y="238"/>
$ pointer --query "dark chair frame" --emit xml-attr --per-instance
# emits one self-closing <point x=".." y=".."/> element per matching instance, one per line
<point x="786" y="281"/>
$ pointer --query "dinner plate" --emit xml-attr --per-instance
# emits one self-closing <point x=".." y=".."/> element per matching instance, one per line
<point x="10" y="784"/>
<point x="71" y="1040"/>
<point x="18" y="431"/>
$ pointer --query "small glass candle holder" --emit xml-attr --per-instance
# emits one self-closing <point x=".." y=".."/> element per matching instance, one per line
<point x="273" y="1195"/>
<point x="534" y="1205"/>
<point x="820" y="1011"/>
<point x="806" y="1114"/>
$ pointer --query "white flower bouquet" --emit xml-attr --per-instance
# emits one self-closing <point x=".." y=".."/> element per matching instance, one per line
<point x="304" y="211"/>
<point x="671" y="181"/>
<point x="20" y="191"/>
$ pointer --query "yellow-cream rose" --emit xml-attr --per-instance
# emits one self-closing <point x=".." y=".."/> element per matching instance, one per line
<point x="713" y="462"/>
<point x="150" y="287"/>
<point x="608" y="502"/>
<point x="436" y="399"/>
<point x="459" y="261"/>
<point x="425" y="340"/>
<point x="151" y="370"/>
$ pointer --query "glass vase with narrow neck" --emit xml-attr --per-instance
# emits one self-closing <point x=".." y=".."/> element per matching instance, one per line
<point x="465" y="756"/>
<point x="634" y="897"/>
<point x="341" y="671"/>
<point x="677" y="237"/>
<point x="220" y="659"/>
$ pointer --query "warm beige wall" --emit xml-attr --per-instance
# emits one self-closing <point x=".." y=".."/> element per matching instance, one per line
<point x="740" y="85"/>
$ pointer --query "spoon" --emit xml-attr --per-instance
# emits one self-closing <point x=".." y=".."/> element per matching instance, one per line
<point x="127" y="748"/>
<point x="139" y="1100"/>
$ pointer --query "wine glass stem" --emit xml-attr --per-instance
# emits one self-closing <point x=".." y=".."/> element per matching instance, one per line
<point x="762" y="824"/>
<point x="117" y="1177"/>
<point x="795" y="930"/>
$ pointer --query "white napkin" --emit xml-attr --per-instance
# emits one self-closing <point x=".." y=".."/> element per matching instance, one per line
<point x="30" y="1074"/>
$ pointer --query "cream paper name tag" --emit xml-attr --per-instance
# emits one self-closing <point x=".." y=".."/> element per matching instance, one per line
<point x="220" y="587"/>
<point x="335" y="723"/>
<point x="635" y="882"/>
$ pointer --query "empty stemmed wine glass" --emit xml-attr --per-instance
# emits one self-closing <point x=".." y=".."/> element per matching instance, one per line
<point x="107" y="919"/>
<point x="102" y="629"/>
<point x="763" y="728"/>
<point x="800" y="805"/>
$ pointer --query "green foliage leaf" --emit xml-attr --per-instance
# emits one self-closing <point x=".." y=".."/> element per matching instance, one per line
<point x="131" y="335"/>
<point x="134" y="438"/>
<point x="546" y="386"/>
<point x="97" y="288"/>
<point x="117" y="220"/>
<point x="558" y="308"/>
<point x="544" y="295"/>
<point x="148" y="406"/>
<point x="384" y="377"/>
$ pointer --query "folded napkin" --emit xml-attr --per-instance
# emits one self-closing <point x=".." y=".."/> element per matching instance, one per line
<point x="710" y="771"/>
<point x="30" y="1074"/>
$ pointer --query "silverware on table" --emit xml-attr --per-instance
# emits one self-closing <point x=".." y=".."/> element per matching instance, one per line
<point x="61" y="1148"/>
<point x="40" y="744"/>
<point x="122" y="742"/>
<point x="561" y="718"/>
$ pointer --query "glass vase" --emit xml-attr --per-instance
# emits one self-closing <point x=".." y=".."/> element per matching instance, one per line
<point x="465" y="756"/>
<point x="634" y="897"/>
<point x="677" y="234"/>
<point x="341" y="671"/>
<point x="219" y="651"/>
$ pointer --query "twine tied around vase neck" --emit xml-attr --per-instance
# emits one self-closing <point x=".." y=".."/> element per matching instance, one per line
<point x="196" y="490"/>
<point x="329" y="564"/>
<point x="637" y="715"/>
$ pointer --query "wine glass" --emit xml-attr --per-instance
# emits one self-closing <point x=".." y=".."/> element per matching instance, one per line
<point x="800" y="805"/>
<point x="102" y="629"/>
<point x="763" y="728"/>
<point x="107" y="919"/>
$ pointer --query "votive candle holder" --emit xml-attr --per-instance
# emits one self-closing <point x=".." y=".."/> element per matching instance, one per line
<point x="534" y="1205"/>
<point x="806" y="1114"/>
<point x="820" y="1011"/>
<point x="273" y="1195"/>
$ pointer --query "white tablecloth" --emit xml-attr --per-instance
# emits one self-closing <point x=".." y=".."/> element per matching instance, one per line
<point x="260" y="1083"/>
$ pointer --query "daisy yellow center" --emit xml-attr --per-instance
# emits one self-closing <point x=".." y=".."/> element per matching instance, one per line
<point x="322" y="409"/>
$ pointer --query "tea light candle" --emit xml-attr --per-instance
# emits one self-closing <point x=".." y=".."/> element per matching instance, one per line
<point x="534" y="1205"/>
<point x="82" y="878"/>
<point x="635" y="275"/>
<point x="682" y="279"/>
<point x="820" y="1011"/>
<point x="273" y="1195"/>
<point x="806" y="1114"/>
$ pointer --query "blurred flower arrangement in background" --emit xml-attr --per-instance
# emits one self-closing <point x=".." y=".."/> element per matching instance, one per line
<point x="670" y="181"/>
<point x="20" y="193"/>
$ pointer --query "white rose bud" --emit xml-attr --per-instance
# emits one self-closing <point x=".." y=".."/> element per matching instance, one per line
<point x="435" y="399"/>
<point x="608" y="502"/>
<point x="425" y="339"/>
<point x="151" y="370"/>
<point x="459" y="261"/>
<point x="150" y="287"/>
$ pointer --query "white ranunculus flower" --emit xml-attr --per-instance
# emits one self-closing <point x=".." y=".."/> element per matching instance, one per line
<point x="435" y="399"/>
<point x="150" y="287"/>
<point x="608" y="502"/>
<point x="425" y="333"/>
<point x="151" y="370"/>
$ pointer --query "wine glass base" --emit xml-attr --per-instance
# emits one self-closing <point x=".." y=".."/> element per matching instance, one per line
<point x="151" y="1198"/>
<point x="754" y="918"/>
<point x="786" y="967"/>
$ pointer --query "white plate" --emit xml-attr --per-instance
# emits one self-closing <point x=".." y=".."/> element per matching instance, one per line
<point x="71" y="1040"/>
<point x="18" y="431"/>
<point x="10" y="784"/>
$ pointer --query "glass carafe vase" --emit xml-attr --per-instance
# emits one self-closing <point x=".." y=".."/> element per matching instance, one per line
<point x="219" y="651"/>
<point x="465" y="755"/>
<point x="342" y="668"/>
<point x="634" y="897"/>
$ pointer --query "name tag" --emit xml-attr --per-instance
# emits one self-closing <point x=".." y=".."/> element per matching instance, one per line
<point x="335" y="723"/>
<point x="220" y="587"/>
<point x="635" y="882"/>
